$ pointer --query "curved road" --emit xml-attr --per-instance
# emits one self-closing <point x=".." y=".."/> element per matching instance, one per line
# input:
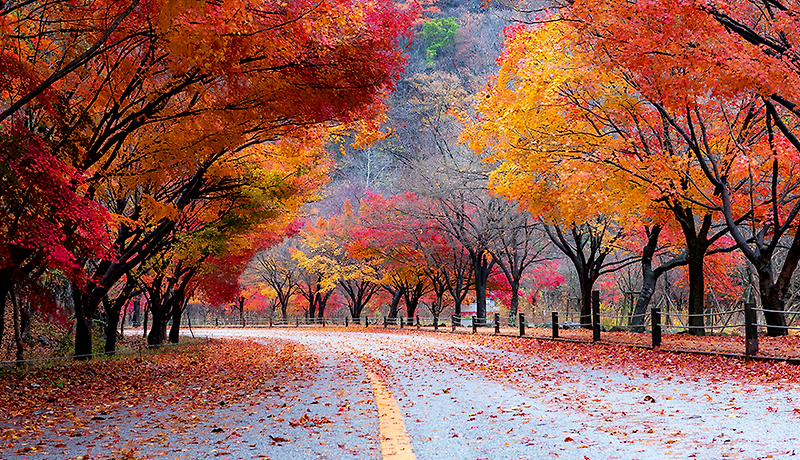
<point x="405" y="396"/>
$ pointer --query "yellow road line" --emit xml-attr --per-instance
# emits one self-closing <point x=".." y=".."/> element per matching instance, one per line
<point x="395" y="443"/>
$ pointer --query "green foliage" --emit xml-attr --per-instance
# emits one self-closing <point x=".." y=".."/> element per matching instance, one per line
<point x="440" y="33"/>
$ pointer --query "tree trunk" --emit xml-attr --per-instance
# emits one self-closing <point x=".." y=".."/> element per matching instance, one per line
<point x="411" y="310"/>
<point x="697" y="290"/>
<point x="513" y="307"/>
<point x="83" y="323"/>
<point x="355" y="313"/>
<point x="395" y="305"/>
<point x="20" y="348"/>
<point x="320" y="309"/>
<point x="4" y="289"/>
<point x="483" y="268"/>
<point x="772" y="299"/>
<point x="412" y="297"/>
<point x="25" y="314"/>
<point x="137" y="313"/>
<point x="122" y="318"/>
<point x="144" y="323"/>
<point x="312" y="308"/>
<point x="697" y="243"/>
<point x="649" y="279"/>
<point x="111" y="333"/>
<point x="457" y="307"/>
<point x="175" y="330"/>
<point x="586" y="286"/>
<point x="158" y="327"/>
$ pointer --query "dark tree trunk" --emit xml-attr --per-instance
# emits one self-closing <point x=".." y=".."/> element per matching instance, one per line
<point x="513" y="306"/>
<point x="772" y="298"/>
<point x="146" y="318"/>
<point x="457" y="307"/>
<point x="83" y="324"/>
<point x="588" y="261"/>
<point x="412" y="296"/>
<point x="177" y="313"/>
<point x="645" y="296"/>
<point x="773" y="289"/>
<point x="586" y="285"/>
<point x="697" y="290"/>
<point x="111" y="334"/>
<point x="18" y="344"/>
<point x="483" y="268"/>
<point x="355" y="311"/>
<point x="394" y="307"/>
<point x="320" y="308"/>
<point x="312" y="308"/>
<point x="158" y="327"/>
<point x="25" y="314"/>
<point x="113" y="311"/>
<point x="649" y="279"/>
<point x="136" y="318"/>
<point x="697" y="244"/>
<point x="4" y="289"/>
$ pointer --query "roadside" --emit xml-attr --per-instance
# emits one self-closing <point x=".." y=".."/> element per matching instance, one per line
<point x="309" y="393"/>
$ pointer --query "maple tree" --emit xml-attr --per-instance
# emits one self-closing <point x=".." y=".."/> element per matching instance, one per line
<point x="324" y="251"/>
<point x="310" y="288"/>
<point x="517" y="249"/>
<point x="732" y="108"/>
<point x="277" y="269"/>
<point x="566" y="123"/>
<point x="399" y="242"/>
<point x="181" y="90"/>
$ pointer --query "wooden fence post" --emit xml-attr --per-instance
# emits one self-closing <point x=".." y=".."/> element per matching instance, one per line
<point x="655" y="319"/>
<point x="497" y="323"/>
<point x="346" y="321"/>
<point x="418" y="325"/>
<point x="474" y="324"/>
<point x="750" y="330"/>
<point x="595" y="316"/>
<point x="521" y="324"/>
<point x="554" y="322"/>
<point x="366" y="322"/>
<point x="385" y="322"/>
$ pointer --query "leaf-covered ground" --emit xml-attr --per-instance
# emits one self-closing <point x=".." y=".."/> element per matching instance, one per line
<point x="199" y="398"/>
<point x="773" y="347"/>
<point x="304" y="393"/>
<point x="479" y="396"/>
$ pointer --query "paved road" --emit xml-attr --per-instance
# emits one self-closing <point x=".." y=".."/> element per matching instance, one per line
<point x="396" y="396"/>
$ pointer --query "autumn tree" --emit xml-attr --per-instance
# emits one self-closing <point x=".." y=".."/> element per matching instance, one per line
<point x="324" y="250"/>
<point x="174" y="95"/>
<point x="733" y="107"/>
<point x="554" y="125"/>
<point x="517" y="247"/>
<point x="278" y="270"/>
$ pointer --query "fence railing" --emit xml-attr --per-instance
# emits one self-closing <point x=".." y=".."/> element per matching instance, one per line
<point x="746" y="321"/>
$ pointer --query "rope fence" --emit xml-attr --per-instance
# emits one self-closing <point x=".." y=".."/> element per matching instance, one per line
<point x="649" y="332"/>
<point x="653" y="324"/>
